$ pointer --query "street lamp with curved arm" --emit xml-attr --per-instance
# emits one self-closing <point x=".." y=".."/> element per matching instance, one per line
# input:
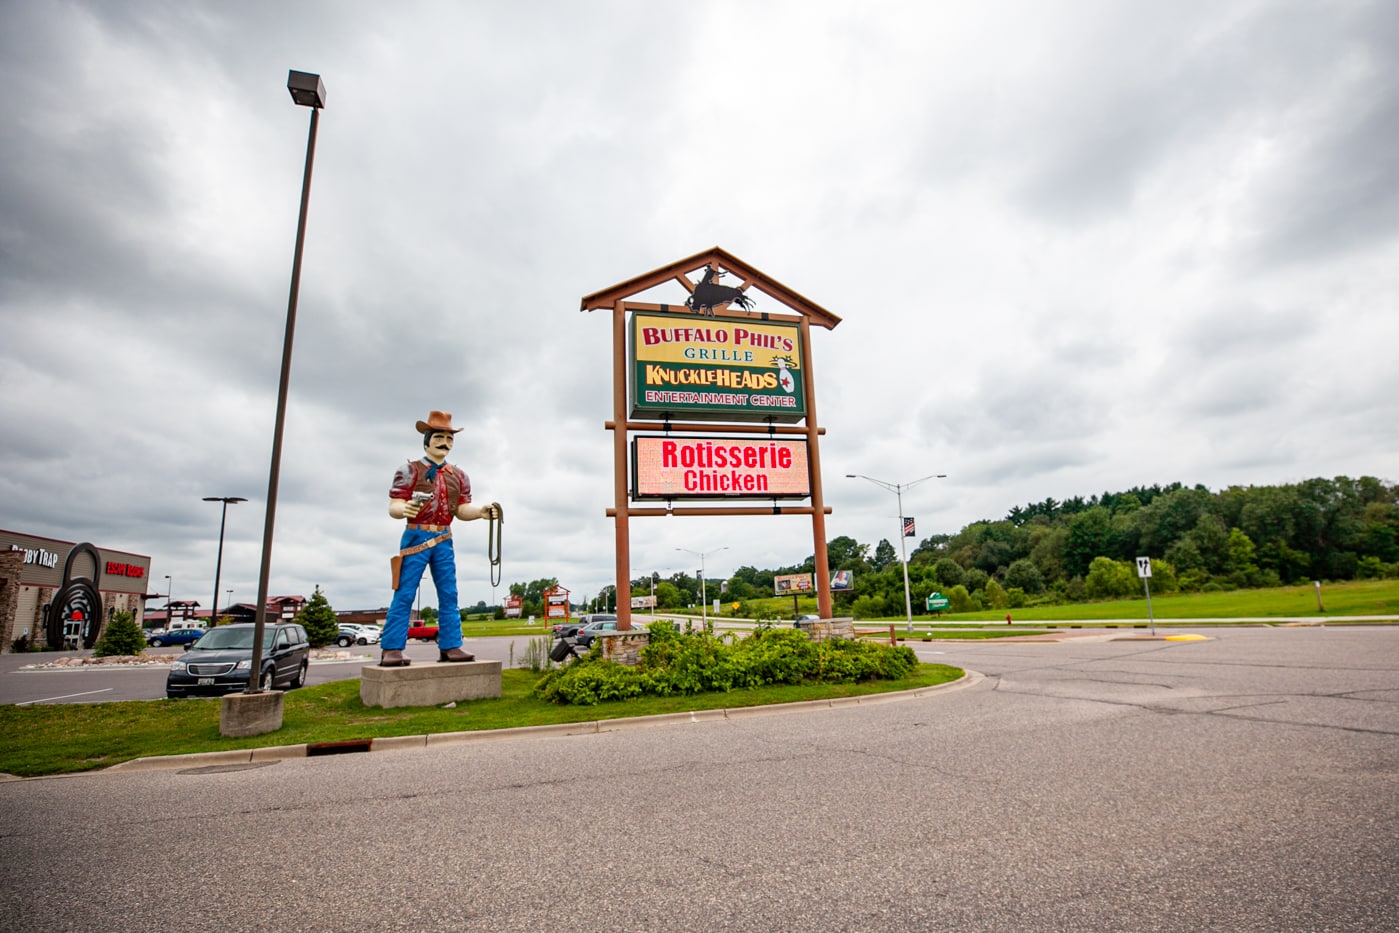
<point x="704" y="605"/>
<point x="898" y="490"/>
<point x="218" y="565"/>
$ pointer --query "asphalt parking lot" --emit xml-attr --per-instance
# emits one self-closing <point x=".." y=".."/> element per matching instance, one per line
<point x="102" y="684"/>
<point x="1248" y="782"/>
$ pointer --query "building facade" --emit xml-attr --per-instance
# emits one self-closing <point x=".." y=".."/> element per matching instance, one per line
<point x="61" y="594"/>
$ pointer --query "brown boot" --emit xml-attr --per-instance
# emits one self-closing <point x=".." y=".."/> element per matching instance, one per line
<point x="392" y="658"/>
<point x="455" y="654"/>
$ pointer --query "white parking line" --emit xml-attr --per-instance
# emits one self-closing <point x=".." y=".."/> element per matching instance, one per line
<point x="67" y="696"/>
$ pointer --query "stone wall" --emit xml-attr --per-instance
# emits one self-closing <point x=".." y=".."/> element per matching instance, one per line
<point x="827" y="629"/>
<point x="623" y="647"/>
<point x="11" y="566"/>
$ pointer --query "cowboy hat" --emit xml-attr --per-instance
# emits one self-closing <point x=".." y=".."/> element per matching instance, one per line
<point x="437" y="421"/>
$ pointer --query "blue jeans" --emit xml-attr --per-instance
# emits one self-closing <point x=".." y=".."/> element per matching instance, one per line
<point x="442" y="559"/>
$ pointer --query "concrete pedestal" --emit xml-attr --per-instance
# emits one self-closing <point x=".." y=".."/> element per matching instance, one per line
<point x="429" y="684"/>
<point x="250" y="714"/>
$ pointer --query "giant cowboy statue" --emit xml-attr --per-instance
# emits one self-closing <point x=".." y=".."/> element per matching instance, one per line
<point x="429" y="493"/>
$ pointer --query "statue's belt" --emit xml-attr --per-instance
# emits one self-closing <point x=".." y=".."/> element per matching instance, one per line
<point x="396" y="562"/>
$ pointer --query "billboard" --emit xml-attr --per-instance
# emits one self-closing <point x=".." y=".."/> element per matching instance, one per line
<point x="643" y="602"/>
<point x="786" y="584"/>
<point x="842" y="580"/>
<point x="688" y="368"/>
<point x="719" y="468"/>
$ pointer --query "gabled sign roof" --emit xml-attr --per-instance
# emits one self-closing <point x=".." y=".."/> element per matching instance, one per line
<point x="748" y="277"/>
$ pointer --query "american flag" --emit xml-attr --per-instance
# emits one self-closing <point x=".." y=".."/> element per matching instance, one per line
<point x="908" y="527"/>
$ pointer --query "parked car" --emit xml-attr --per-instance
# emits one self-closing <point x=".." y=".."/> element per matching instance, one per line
<point x="587" y="633"/>
<point x="221" y="661"/>
<point x="571" y="629"/>
<point x="352" y="634"/>
<point x="422" y="632"/>
<point x="176" y="636"/>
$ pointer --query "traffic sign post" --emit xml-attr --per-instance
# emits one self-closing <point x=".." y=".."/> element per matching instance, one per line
<point x="937" y="602"/>
<point x="1144" y="571"/>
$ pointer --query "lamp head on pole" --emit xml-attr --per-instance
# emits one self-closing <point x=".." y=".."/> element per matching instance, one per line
<point x="308" y="90"/>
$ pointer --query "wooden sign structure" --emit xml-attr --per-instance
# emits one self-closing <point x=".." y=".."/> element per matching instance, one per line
<point x="711" y="388"/>
<point x="556" y="607"/>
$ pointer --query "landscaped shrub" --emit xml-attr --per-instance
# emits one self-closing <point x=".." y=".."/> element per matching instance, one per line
<point x="318" y="619"/>
<point x="121" y="637"/>
<point x="959" y="599"/>
<point x="590" y="680"/>
<point x="682" y="663"/>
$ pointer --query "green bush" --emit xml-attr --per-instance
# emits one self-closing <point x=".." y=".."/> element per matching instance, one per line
<point x="1110" y="579"/>
<point x="121" y="637"/>
<point x="959" y="600"/>
<point x="1194" y="581"/>
<point x="318" y="619"/>
<point x="682" y="663"/>
<point x="869" y="607"/>
<point x="996" y="595"/>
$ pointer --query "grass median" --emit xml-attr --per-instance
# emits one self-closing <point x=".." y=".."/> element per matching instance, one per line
<point x="44" y="740"/>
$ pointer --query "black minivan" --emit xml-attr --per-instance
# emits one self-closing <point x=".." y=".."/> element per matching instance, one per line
<point x="221" y="661"/>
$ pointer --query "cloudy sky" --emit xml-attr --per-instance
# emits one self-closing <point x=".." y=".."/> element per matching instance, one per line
<point x="1076" y="246"/>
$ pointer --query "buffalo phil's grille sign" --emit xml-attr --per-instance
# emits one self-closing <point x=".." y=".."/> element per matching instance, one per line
<point x="689" y="368"/>
<point x="719" y="468"/>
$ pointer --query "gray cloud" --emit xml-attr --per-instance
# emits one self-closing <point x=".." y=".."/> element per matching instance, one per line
<point x="1074" y="250"/>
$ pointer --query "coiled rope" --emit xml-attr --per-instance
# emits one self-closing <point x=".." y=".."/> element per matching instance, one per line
<point x="493" y="540"/>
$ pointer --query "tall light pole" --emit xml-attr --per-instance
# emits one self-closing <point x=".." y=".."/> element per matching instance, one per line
<point x="169" y="589"/>
<point x="898" y="490"/>
<point x="218" y="565"/>
<point x="704" y="601"/>
<point x="307" y="90"/>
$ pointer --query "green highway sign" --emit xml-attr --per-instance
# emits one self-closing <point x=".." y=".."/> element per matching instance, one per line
<point x="937" y="601"/>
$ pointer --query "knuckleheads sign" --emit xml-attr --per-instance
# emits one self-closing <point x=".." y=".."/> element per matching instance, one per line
<point x="719" y="467"/>
<point x="714" y="369"/>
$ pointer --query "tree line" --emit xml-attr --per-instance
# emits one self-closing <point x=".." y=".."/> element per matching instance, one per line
<point x="1086" y="549"/>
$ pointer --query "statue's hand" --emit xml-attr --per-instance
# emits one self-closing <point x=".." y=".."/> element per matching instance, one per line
<point x="411" y="508"/>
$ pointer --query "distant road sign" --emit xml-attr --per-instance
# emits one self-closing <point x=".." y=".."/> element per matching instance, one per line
<point x="1144" y="567"/>
<point x="937" y="602"/>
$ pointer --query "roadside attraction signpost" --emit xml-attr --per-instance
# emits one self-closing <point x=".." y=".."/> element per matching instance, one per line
<point x="721" y="361"/>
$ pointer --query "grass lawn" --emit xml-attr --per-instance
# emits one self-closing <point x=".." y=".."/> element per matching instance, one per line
<point x="1358" y="597"/>
<point x="38" y="740"/>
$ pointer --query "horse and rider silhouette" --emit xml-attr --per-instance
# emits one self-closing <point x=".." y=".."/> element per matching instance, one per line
<point x="709" y="294"/>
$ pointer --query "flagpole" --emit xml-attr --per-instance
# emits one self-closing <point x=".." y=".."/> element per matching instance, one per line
<point x="898" y="491"/>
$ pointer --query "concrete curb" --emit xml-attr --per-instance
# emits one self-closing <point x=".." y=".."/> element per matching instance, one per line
<point x="587" y="727"/>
